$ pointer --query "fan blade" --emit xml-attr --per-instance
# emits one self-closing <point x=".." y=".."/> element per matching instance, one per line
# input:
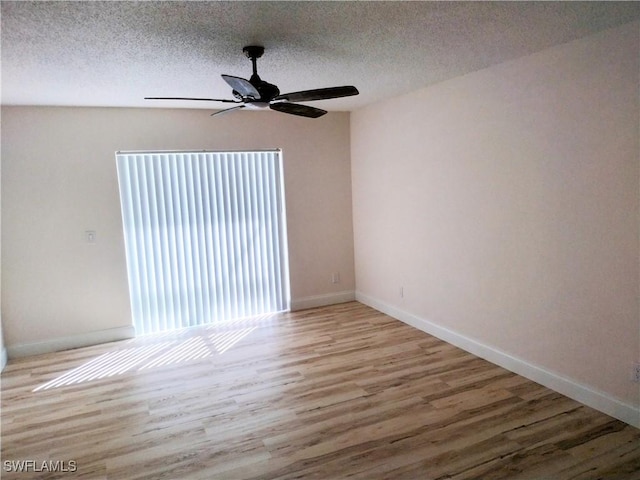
<point x="190" y="98"/>
<point x="242" y="86"/>
<point x="296" y="109"/>
<point x="318" y="94"/>
<point x="227" y="110"/>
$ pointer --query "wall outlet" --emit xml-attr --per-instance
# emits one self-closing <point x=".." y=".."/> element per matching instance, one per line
<point x="401" y="292"/>
<point x="636" y="372"/>
<point x="335" y="277"/>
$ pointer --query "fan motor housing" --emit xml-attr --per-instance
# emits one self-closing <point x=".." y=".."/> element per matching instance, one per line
<point x="267" y="91"/>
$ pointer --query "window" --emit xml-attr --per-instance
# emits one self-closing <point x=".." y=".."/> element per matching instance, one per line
<point x="205" y="236"/>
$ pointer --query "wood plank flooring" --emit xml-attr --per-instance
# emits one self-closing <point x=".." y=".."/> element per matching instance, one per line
<point x="328" y="393"/>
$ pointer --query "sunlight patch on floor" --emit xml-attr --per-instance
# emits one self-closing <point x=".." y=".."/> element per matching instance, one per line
<point x="172" y="349"/>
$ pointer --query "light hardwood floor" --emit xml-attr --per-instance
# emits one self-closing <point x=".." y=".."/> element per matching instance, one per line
<point x="328" y="393"/>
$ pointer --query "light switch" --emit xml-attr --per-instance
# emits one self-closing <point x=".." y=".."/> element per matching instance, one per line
<point x="90" y="236"/>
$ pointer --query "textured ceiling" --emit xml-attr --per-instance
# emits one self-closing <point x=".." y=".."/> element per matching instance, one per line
<point x="115" y="53"/>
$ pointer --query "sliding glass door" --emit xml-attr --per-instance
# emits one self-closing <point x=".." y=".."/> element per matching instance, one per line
<point x="205" y="236"/>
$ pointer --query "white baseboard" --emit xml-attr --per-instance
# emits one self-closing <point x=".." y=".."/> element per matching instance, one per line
<point x="3" y="358"/>
<point x="322" y="300"/>
<point x="582" y="393"/>
<point x="67" y="343"/>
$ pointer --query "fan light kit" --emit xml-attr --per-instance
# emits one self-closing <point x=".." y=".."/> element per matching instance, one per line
<point x="255" y="93"/>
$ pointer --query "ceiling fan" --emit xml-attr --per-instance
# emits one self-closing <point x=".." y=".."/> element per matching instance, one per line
<point x="255" y="93"/>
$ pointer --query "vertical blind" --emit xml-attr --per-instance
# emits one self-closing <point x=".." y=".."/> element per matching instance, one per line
<point x="205" y="236"/>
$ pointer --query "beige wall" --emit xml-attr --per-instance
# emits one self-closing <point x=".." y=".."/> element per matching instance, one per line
<point x="3" y="350"/>
<point x="59" y="179"/>
<point x="506" y="204"/>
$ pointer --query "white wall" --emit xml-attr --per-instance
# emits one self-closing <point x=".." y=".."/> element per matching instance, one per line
<point x="506" y="204"/>
<point x="59" y="179"/>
